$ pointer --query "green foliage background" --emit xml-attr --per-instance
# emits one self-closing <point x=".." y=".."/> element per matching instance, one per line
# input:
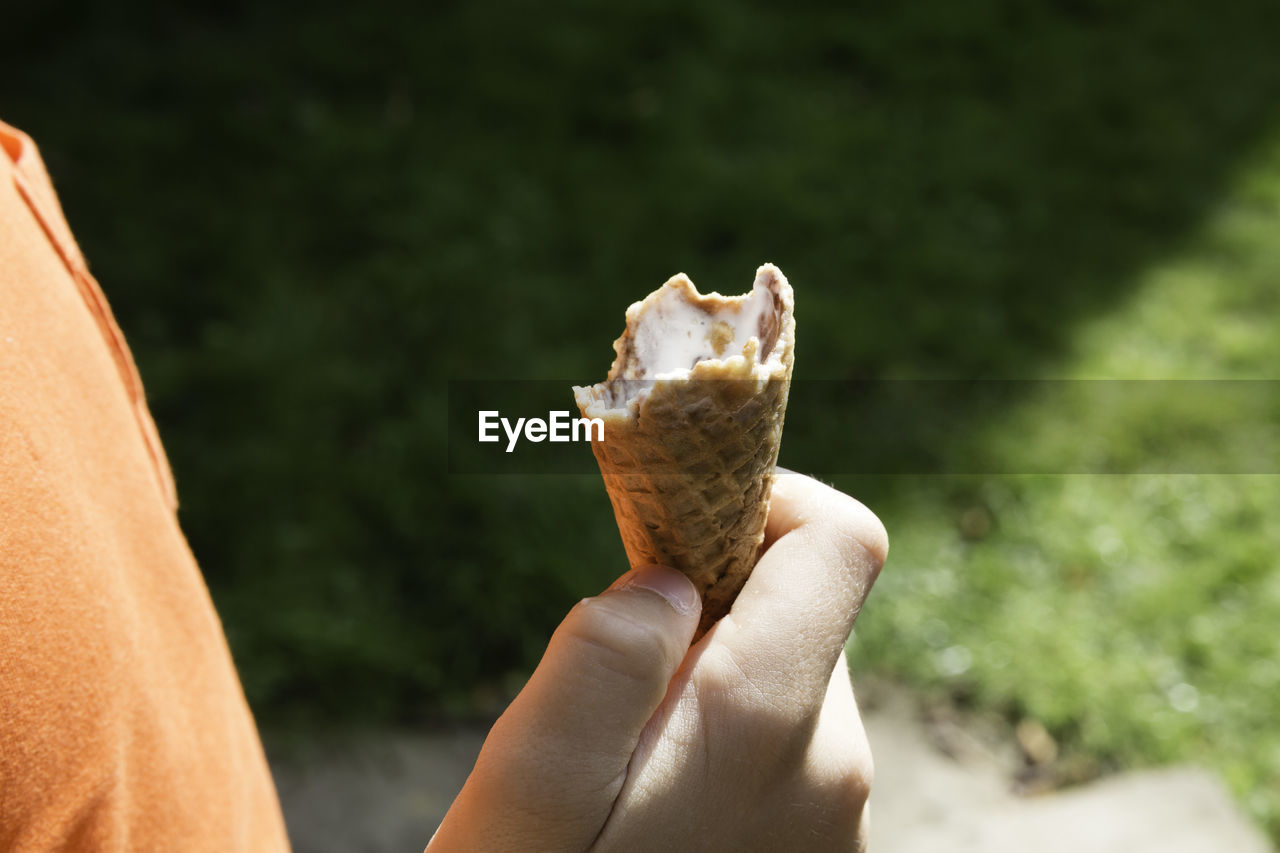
<point x="308" y="221"/>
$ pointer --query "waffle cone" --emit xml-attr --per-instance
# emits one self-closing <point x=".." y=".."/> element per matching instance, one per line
<point x="688" y="462"/>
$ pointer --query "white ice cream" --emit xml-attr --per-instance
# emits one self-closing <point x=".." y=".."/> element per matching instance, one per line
<point x="674" y="334"/>
<point x="675" y="329"/>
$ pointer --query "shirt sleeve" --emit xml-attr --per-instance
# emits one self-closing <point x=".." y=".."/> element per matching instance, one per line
<point x="123" y="725"/>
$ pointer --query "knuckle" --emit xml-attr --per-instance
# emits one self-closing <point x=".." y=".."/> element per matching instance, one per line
<point x="848" y="521"/>
<point x="861" y="533"/>
<point x="860" y="778"/>
<point x="845" y="795"/>
<point x="856" y="778"/>
<point x="848" y="766"/>
<point x="875" y="539"/>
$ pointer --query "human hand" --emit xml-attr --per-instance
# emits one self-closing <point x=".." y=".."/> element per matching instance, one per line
<point x="626" y="739"/>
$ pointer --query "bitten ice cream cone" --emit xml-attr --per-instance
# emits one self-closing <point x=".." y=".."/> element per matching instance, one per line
<point x="692" y="409"/>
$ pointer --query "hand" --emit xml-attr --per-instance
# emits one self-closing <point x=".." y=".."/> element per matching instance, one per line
<point x="626" y="739"/>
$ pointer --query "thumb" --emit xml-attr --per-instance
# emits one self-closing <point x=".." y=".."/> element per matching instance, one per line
<point x="607" y="666"/>
<point x="557" y="758"/>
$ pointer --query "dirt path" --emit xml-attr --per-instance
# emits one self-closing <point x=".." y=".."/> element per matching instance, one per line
<point x="938" y="787"/>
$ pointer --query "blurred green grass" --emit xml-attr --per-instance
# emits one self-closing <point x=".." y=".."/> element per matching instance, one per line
<point x="308" y="222"/>
<point x="1131" y="614"/>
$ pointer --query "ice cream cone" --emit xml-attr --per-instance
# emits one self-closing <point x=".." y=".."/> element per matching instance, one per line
<point x="693" y="408"/>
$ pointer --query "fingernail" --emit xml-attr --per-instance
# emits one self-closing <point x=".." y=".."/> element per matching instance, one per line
<point x="677" y="589"/>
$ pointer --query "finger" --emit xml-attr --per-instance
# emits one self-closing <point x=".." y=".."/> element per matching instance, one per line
<point x="554" y="763"/>
<point x="840" y="739"/>
<point x="608" y="664"/>
<point x="840" y="756"/>
<point x="790" y="623"/>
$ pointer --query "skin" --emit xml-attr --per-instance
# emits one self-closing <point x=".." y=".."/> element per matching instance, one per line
<point x="627" y="739"/>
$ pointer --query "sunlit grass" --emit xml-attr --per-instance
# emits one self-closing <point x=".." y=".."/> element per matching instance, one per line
<point x="1133" y="615"/>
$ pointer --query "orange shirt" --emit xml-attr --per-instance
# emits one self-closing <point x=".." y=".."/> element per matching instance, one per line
<point x="122" y="722"/>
